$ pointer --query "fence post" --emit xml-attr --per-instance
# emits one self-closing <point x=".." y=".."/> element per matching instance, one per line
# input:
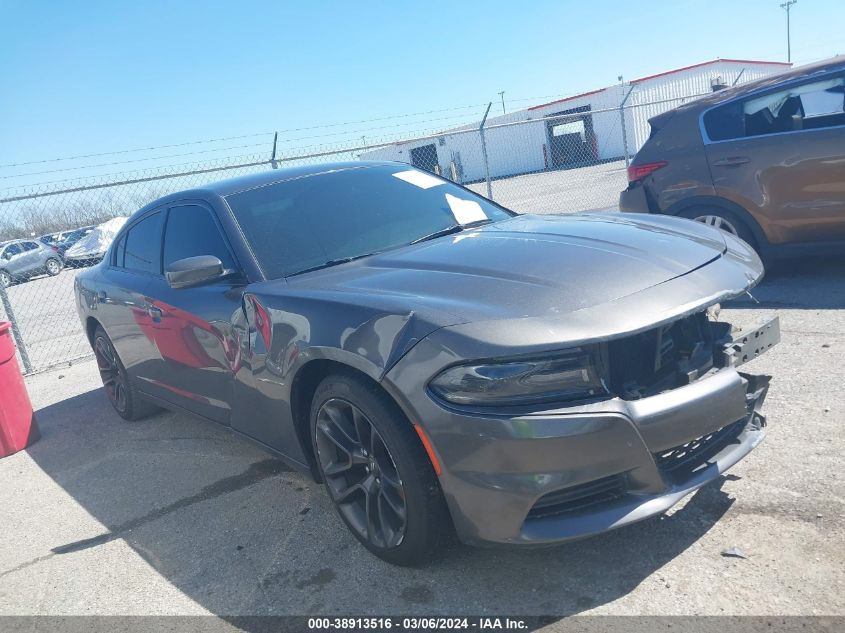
<point x="273" y="162"/>
<point x="484" y="152"/>
<point x="624" y="131"/>
<point x="7" y="307"/>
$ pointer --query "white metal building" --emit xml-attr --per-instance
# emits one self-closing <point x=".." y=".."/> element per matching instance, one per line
<point x="578" y="130"/>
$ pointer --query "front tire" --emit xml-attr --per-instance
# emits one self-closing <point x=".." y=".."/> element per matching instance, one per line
<point x="122" y="396"/>
<point x="376" y="471"/>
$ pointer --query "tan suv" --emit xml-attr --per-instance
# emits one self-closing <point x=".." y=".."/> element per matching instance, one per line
<point x="765" y="161"/>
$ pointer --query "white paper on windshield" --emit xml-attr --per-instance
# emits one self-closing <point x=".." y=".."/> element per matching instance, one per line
<point x="418" y="178"/>
<point x="465" y="211"/>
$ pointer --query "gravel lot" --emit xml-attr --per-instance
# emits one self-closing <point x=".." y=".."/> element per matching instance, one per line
<point x="47" y="317"/>
<point x="175" y="516"/>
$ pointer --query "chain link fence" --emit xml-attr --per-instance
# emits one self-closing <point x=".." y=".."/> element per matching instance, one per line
<point x="564" y="161"/>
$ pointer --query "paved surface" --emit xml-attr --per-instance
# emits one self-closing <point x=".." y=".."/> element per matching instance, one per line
<point x="174" y="516"/>
<point x="566" y="191"/>
<point x="47" y="317"/>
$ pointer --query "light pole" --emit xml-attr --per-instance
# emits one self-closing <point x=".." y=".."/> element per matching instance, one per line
<point x="786" y="5"/>
<point x="502" y="95"/>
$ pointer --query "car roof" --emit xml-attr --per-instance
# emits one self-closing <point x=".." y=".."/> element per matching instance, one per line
<point x="802" y="72"/>
<point x="19" y="241"/>
<point x="223" y="188"/>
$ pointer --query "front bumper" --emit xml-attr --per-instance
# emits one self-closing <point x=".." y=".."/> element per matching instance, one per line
<point x="556" y="475"/>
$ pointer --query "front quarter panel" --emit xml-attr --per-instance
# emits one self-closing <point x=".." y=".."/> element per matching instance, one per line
<point x="287" y="332"/>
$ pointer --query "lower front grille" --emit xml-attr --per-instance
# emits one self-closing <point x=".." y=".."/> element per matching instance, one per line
<point x="685" y="459"/>
<point x="577" y="498"/>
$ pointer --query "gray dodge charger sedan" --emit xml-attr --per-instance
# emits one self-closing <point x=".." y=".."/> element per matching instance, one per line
<point x="440" y="363"/>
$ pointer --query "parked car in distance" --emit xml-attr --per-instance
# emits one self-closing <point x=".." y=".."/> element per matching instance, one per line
<point x="89" y="245"/>
<point x="437" y="361"/>
<point x="764" y="161"/>
<point x="65" y="239"/>
<point x="51" y="238"/>
<point x="22" y="259"/>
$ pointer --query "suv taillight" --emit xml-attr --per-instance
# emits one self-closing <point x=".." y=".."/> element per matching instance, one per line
<point x="638" y="172"/>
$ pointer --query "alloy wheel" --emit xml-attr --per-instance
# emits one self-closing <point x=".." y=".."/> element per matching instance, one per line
<point x="718" y="222"/>
<point x="361" y="474"/>
<point x="53" y="267"/>
<point x="5" y="279"/>
<point x="113" y="378"/>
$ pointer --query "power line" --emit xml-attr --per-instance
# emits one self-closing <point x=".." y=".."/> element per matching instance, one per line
<point x="230" y="138"/>
<point x="252" y="135"/>
<point x="222" y="149"/>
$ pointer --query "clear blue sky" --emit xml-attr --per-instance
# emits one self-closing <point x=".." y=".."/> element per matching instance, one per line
<point x="96" y="76"/>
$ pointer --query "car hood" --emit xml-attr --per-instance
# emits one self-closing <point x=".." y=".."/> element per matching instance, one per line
<point x="529" y="266"/>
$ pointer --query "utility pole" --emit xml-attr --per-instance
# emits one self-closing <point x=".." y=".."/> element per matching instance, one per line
<point x="786" y="5"/>
<point x="502" y="95"/>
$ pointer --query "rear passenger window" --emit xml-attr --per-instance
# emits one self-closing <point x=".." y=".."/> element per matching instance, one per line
<point x="142" y="250"/>
<point x="192" y="231"/>
<point x="809" y="106"/>
<point x="29" y="246"/>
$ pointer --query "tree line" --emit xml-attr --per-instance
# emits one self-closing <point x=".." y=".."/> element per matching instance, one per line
<point x="65" y="212"/>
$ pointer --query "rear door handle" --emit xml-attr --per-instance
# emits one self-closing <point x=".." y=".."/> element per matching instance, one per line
<point x="732" y="160"/>
<point x="155" y="314"/>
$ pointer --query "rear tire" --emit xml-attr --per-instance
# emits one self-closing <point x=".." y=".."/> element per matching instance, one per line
<point x="53" y="267"/>
<point x="721" y="219"/>
<point x="5" y="279"/>
<point x="119" y="390"/>
<point x="376" y="471"/>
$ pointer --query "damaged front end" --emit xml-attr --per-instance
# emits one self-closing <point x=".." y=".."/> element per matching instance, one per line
<point x="675" y="414"/>
<point x="683" y="351"/>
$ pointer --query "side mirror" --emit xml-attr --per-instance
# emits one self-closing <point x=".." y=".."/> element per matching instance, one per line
<point x="194" y="271"/>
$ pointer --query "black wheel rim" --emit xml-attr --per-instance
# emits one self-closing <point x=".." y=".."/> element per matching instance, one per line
<point x="114" y="381"/>
<point x="361" y="474"/>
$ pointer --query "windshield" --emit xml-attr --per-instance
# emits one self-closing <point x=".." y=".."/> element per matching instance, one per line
<point x="312" y="221"/>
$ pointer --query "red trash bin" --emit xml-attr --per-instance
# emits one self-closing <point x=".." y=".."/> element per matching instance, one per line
<point x="17" y="421"/>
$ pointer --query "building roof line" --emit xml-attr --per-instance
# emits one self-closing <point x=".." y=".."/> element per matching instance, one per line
<point x="578" y="96"/>
<point x="712" y="61"/>
<point x="663" y="74"/>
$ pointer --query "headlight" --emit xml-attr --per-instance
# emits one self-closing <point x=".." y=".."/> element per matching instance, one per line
<point x="569" y="375"/>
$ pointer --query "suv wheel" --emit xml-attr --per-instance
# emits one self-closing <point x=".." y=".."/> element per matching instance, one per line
<point x="53" y="267"/>
<point x="721" y="219"/>
<point x="376" y="471"/>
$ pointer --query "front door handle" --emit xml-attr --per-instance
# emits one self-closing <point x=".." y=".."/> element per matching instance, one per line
<point x="155" y="314"/>
<point x="732" y="160"/>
